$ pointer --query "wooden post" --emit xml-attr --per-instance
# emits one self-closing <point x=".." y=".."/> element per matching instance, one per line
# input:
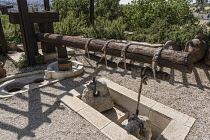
<point x="46" y="5"/>
<point x="92" y="12"/>
<point x="47" y="28"/>
<point x="28" y="34"/>
<point x="3" y="42"/>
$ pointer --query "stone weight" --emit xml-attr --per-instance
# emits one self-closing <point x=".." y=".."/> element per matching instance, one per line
<point x="197" y="48"/>
<point x="103" y="101"/>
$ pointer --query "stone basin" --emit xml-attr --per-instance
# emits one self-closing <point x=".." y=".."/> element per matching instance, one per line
<point x="52" y="71"/>
<point x="166" y="123"/>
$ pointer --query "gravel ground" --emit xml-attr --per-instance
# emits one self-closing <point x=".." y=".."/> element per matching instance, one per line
<point x="36" y="115"/>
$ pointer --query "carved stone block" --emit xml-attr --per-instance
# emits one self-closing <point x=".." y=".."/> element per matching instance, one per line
<point x="101" y="101"/>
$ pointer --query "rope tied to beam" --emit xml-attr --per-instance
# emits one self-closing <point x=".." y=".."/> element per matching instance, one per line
<point x="123" y="53"/>
<point x="154" y="60"/>
<point x="104" y="49"/>
<point x="87" y="45"/>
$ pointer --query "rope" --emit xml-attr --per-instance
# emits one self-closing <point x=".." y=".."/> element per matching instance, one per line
<point x="123" y="53"/>
<point x="154" y="60"/>
<point x="86" y="47"/>
<point x="94" y="78"/>
<point x="143" y="81"/>
<point x="104" y="49"/>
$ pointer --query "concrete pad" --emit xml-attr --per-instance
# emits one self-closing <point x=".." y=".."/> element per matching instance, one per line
<point x="190" y="122"/>
<point x="174" y="131"/>
<point x="73" y="102"/>
<point x="117" y="114"/>
<point x="114" y="132"/>
<point x="94" y="117"/>
<point x="170" y="112"/>
<point x="159" y="120"/>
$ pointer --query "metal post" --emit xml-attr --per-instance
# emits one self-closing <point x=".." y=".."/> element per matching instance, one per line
<point x="92" y="12"/>
<point x="28" y="34"/>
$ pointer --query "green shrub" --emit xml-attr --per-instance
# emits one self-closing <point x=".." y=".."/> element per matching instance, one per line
<point x="104" y="28"/>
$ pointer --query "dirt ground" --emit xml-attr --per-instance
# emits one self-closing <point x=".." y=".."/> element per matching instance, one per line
<point x="37" y="115"/>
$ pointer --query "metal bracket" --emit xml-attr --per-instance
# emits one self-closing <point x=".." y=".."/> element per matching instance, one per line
<point x="86" y="47"/>
<point x="154" y="60"/>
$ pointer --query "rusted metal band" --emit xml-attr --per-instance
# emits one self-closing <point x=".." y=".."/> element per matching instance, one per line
<point x="104" y="49"/>
<point x="86" y="47"/>
<point x="154" y="60"/>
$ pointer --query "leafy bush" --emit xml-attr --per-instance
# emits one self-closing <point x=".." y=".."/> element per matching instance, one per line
<point x="11" y="31"/>
<point x="70" y="25"/>
<point x="161" y="31"/>
<point x="22" y="63"/>
<point x="104" y="28"/>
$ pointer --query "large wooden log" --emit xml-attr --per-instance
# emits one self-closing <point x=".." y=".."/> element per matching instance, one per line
<point x="168" y="58"/>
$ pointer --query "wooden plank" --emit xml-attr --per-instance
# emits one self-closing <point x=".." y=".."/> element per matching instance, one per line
<point x="3" y="41"/>
<point x="4" y="9"/>
<point x="28" y="34"/>
<point x="6" y="6"/>
<point x="168" y="58"/>
<point x="36" y="17"/>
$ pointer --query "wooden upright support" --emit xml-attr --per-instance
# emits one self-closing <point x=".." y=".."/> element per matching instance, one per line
<point x="92" y="12"/>
<point x="47" y="27"/>
<point x="28" y="33"/>
<point x="3" y="43"/>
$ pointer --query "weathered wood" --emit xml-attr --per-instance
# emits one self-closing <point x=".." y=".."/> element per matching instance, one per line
<point x="47" y="28"/>
<point x="62" y="51"/>
<point x="36" y="17"/>
<point x="4" y="9"/>
<point x="92" y="12"/>
<point x="3" y="42"/>
<point x="47" y="5"/>
<point x="130" y="67"/>
<point x="168" y="58"/>
<point x="28" y="34"/>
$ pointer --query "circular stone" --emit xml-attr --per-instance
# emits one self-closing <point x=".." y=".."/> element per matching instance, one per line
<point x="53" y="72"/>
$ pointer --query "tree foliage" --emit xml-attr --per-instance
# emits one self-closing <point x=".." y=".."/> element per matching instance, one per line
<point x="153" y="21"/>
